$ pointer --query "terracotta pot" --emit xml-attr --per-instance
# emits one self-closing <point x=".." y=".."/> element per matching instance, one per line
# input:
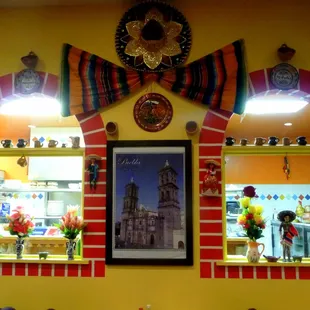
<point x="191" y="127"/>
<point x="253" y="255"/>
<point x="111" y="128"/>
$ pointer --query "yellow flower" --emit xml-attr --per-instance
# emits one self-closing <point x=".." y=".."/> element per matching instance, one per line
<point x="241" y="219"/>
<point x="245" y="202"/>
<point x="252" y="209"/>
<point x="259" y="209"/>
<point x="258" y="219"/>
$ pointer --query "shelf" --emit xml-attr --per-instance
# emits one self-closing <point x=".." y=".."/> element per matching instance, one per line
<point x="266" y="149"/>
<point x="41" y="151"/>
<point x="239" y="263"/>
<point x="37" y="189"/>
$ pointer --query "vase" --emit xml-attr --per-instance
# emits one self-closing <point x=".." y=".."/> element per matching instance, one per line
<point x="253" y="255"/>
<point x="19" y="247"/>
<point x="71" y="244"/>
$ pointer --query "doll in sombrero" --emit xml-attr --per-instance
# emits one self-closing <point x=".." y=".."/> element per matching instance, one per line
<point x="210" y="183"/>
<point x="287" y="232"/>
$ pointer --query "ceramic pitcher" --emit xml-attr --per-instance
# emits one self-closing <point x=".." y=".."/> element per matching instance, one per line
<point x="253" y="255"/>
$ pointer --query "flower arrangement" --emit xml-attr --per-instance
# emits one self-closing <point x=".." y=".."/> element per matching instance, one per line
<point x="251" y="219"/>
<point x="71" y="224"/>
<point x="20" y="223"/>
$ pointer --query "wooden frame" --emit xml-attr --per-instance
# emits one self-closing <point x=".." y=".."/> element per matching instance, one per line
<point x="160" y="231"/>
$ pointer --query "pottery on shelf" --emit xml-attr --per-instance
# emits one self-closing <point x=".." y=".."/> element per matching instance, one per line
<point x="230" y="141"/>
<point x="253" y="255"/>
<point x="260" y="141"/>
<point x="271" y="259"/>
<point x="273" y="141"/>
<point x="70" y="245"/>
<point x="301" y="140"/>
<point x="19" y="245"/>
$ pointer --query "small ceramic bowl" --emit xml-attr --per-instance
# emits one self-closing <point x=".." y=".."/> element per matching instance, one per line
<point x="272" y="259"/>
<point x="297" y="259"/>
<point x="43" y="255"/>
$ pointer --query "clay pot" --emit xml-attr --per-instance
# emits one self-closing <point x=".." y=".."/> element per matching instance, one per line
<point x="285" y="53"/>
<point x="191" y="127"/>
<point x="111" y="128"/>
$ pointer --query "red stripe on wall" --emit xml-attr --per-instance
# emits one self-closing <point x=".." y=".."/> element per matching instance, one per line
<point x="210" y="136"/>
<point x="210" y="150"/>
<point x="94" y="240"/>
<point x="233" y="272"/>
<point x="210" y="227"/>
<point x="210" y="201"/>
<point x="99" y="268"/>
<point x="275" y="273"/>
<point x="247" y="272"/>
<point x="258" y="81"/>
<point x="224" y="113"/>
<point x="20" y="269"/>
<point x="212" y="120"/>
<point x="219" y="272"/>
<point x="6" y="269"/>
<point x="261" y="272"/>
<point x="92" y="124"/>
<point x="211" y="254"/>
<point x="6" y="85"/>
<point x="94" y="252"/>
<point x="210" y="214"/>
<point x="94" y="201"/>
<point x="100" y="188"/>
<point x="304" y="273"/>
<point x="205" y="270"/>
<point x="33" y="270"/>
<point x="59" y="270"/>
<point x="46" y="270"/>
<point x="73" y="270"/>
<point x="85" y="115"/>
<point x="95" y="214"/>
<point x="95" y="227"/>
<point x="86" y="270"/>
<point x="304" y="80"/>
<point x="95" y="138"/>
<point x="51" y="86"/>
<point x="290" y="273"/>
<point x="100" y="151"/>
<point x="211" y="241"/>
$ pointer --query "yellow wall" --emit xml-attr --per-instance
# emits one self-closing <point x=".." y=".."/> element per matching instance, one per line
<point x="265" y="25"/>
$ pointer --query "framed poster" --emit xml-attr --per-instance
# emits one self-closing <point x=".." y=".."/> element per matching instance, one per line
<point x="149" y="203"/>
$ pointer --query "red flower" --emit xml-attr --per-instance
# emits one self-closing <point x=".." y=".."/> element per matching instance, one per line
<point x="249" y="216"/>
<point x="246" y="226"/>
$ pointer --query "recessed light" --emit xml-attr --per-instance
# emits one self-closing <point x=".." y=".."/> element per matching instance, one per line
<point x="288" y="124"/>
<point x="32" y="126"/>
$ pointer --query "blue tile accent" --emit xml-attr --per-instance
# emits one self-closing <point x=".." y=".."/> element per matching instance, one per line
<point x="230" y="198"/>
<point x="28" y="196"/>
<point x="262" y="197"/>
<point x="294" y="197"/>
<point x="275" y="197"/>
<point x="288" y="197"/>
<point x="307" y="197"/>
<point x="42" y="139"/>
<point x="40" y="196"/>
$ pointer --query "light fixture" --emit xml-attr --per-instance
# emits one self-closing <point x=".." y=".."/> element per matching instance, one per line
<point x="32" y="126"/>
<point x="274" y="104"/>
<point x="34" y="105"/>
<point x="288" y="124"/>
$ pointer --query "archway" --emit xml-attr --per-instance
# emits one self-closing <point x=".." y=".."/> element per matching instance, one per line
<point x="211" y="234"/>
<point x="94" y="203"/>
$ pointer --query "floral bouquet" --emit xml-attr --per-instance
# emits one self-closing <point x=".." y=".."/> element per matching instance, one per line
<point x="251" y="219"/>
<point x="20" y="224"/>
<point x="71" y="224"/>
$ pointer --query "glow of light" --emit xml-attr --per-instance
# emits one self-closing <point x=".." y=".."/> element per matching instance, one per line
<point x="30" y="106"/>
<point x="288" y="124"/>
<point x="31" y="126"/>
<point x="274" y="105"/>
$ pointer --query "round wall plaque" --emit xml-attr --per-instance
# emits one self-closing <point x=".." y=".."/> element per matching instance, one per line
<point x="284" y="76"/>
<point x="27" y="82"/>
<point x="153" y="112"/>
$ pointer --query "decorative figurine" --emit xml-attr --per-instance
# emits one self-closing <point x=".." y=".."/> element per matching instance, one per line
<point x="210" y="183"/>
<point x="93" y="170"/>
<point x="287" y="232"/>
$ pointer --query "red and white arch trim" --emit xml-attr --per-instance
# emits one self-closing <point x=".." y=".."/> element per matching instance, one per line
<point x="94" y="203"/>
<point x="211" y="232"/>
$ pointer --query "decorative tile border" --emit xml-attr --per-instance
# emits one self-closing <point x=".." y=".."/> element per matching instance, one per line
<point x="275" y="197"/>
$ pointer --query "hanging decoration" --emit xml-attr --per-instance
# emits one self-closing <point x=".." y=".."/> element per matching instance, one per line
<point x="153" y="112"/>
<point x="93" y="170"/>
<point x="28" y="81"/>
<point x="286" y="168"/>
<point x="218" y="80"/>
<point x="153" y="36"/>
<point x="211" y="186"/>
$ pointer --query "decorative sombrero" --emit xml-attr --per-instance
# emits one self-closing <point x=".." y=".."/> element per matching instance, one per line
<point x="285" y="213"/>
<point x="153" y="36"/>
<point x="93" y="156"/>
<point x="212" y="161"/>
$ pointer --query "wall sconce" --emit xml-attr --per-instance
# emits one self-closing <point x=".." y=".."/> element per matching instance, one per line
<point x="191" y="128"/>
<point x="111" y="128"/>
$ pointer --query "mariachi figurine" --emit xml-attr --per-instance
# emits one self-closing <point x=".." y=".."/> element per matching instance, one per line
<point x="93" y="170"/>
<point x="287" y="232"/>
<point x="210" y="182"/>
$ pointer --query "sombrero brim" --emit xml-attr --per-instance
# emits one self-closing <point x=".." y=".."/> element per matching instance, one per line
<point x="212" y="161"/>
<point x="285" y="213"/>
<point x="93" y="156"/>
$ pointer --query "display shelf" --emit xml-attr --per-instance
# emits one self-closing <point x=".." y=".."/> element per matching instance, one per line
<point x="39" y="189"/>
<point x="262" y="263"/>
<point x="57" y="151"/>
<point x="31" y="259"/>
<point x="266" y="149"/>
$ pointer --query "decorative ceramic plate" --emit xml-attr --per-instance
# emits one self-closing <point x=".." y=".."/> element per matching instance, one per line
<point x="27" y="82"/>
<point x="153" y="112"/>
<point x="284" y="76"/>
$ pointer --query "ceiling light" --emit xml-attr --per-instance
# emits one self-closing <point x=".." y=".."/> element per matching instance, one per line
<point x="30" y="106"/>
<point x="274" y="105"/>
<point x="288" y="124"/>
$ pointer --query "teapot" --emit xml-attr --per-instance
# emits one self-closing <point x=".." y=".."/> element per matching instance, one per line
<point x="75" y="142"/>
<point x="22" y="161"/>
<point x="21" y="143"/>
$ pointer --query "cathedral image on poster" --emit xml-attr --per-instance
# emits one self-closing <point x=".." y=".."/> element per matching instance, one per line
<point x="149" y="205"/>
